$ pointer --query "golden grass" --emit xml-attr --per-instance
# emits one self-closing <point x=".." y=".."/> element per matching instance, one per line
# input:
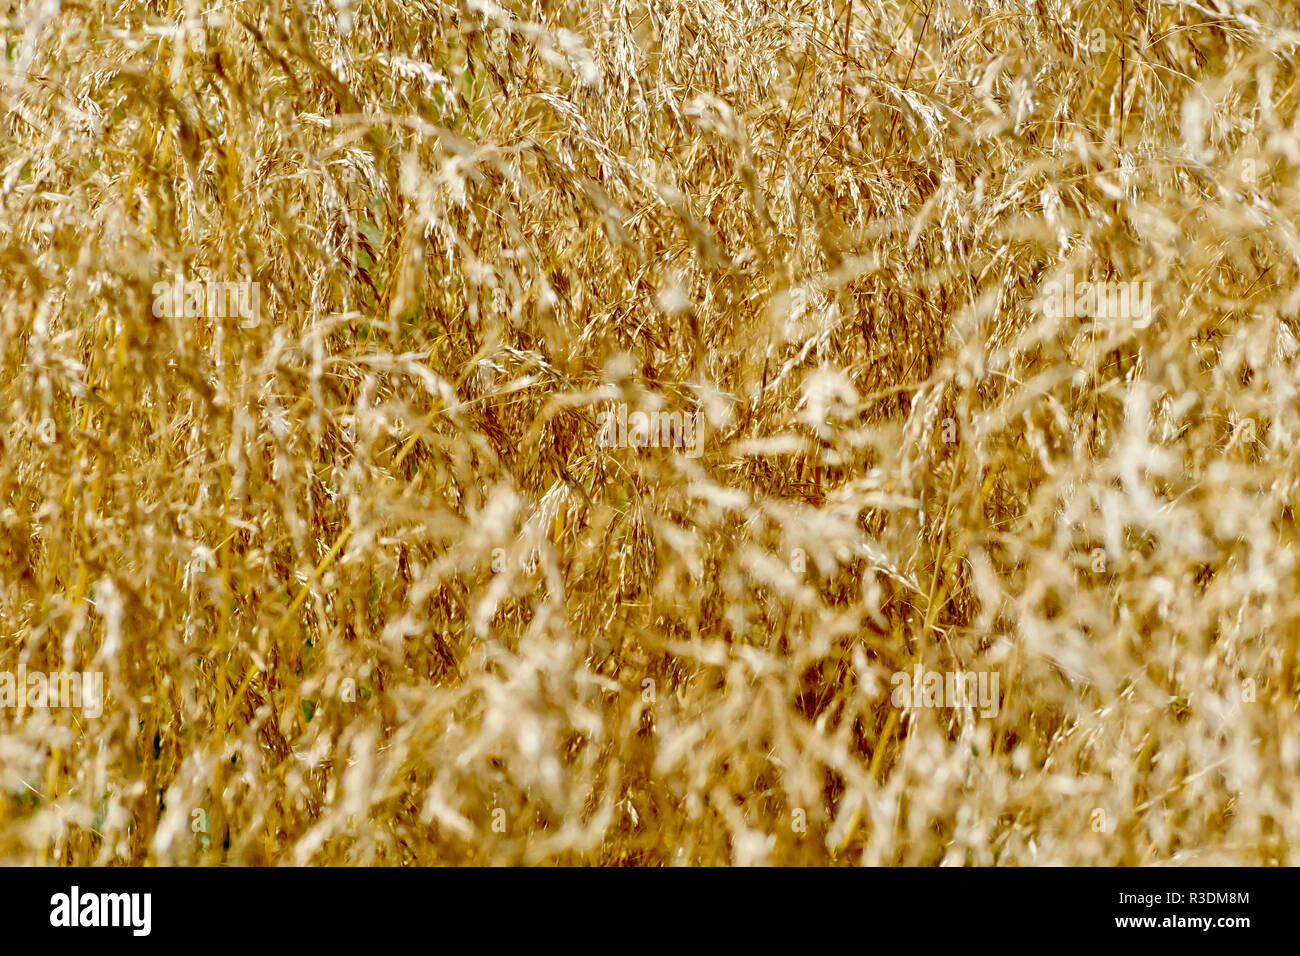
<point x="366" y="588"/>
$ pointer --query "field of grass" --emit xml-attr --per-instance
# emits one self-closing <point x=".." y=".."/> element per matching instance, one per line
<point x="370" y="578"/>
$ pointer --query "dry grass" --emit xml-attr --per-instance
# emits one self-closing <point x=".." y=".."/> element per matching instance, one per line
<point x="365" y="587"/>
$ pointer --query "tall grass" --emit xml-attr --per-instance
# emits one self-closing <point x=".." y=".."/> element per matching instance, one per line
<point x="365" y="586"/>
